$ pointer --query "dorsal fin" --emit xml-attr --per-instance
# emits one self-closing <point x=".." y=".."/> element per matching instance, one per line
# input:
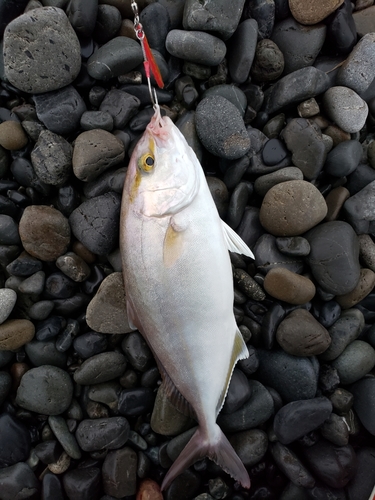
<point x="239" y="352"/>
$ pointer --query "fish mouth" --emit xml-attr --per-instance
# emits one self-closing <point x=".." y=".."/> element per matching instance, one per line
<point x="159" y="126"/>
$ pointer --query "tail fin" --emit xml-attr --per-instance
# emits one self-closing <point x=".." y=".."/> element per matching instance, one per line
<point x="217" y="448"/>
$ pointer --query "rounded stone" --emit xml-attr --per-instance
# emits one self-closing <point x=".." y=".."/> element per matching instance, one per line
<point x="46" y="389"/>
<point x="100" y="368"/>
<point x="52" y="158"/>
<point x="14" y="441"/>
<point x="344" y="158"/>
<point x="354" y="362"/>
<point x="291" y="208"/>
<point x="301" y="334"/>
<point x="106" y="313"/>
<point x="364" y="286"/>
<point x="73" y="266"/>
<point x="298" y="418"/>
<point x="14" y="333"/>
<point x="44" y="232"/>
<point x="312" y="13"/>
<point x="8" y="298"/>
<point x="196" y="46"/>
<point x="264" y="183"/>
<point x="221" y="128"/>
<point x="345" y="108"/>
<point x="250" y="446"/>
<point x="12" y="135"/>
<point x="102" y="433"/>
<point x="288" y="286"/>
<point x="166" y="419"/>
<point x="116" y="484"/>
<point x="17" y="479"/>
<point x="333" y="258"/>
<point x="94" y="152"/>
<point x="268" y="62"/>
<point x="364" y="402"/>
<point x="241" y="50"/>
<point x="41" y="51"/>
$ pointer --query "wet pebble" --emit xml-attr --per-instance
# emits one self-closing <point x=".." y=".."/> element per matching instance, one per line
<point x="45" y="389"/>
<point x="89" y="344"/>
<point x="100" y="368"/>
<point x="102" y="433"/>
<point x="133" y="402"/>
<point x="265" y="182"/>
<point x="16" y="479"/>
<point x="238" y="393"/>
<point x="84" y="482"/>
<point x="15" y="441"/>
<point x="115" y="482"/>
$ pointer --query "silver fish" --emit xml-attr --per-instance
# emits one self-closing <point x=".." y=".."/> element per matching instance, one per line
<point x="179" y="286"/>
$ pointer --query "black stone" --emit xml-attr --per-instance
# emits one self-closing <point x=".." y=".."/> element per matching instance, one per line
<point x="137" y="351"/>
<point x="15" y="441"/>
<point x="291" y="466"/>
<point x="274" y="152"/>
<point x="83" y="483"/>
<point x="102" y="433"/>
<point x="89" y="344"/>
<point x="67" y="199"/>
<point x="92" y="283"/>
<point x="241" y="50"/>
<point x="17" y="481"/>
<point x="156" y="24"/>
<point x="268" y="256"/>
<point x="96" y="119"/>
<point x="49" y="328"/>
<point x="51" y="487"/>
<point x="238" y="392"/>
<point x="360" y="487"/>
<point x="48" y="451"/>
<point x="263" y="12"/>
<point x="108" y="22"/>
<point x="24" y="265"/>
<point x="343" y="159"/>
<point x="143" y="94"/>
<point x="60" y="110"/>
<point x="59" y="286"/>
<point x="271" y="320"/>
<point x="82" y="16"/>
<point x="342" y="30"/>
<point x="134" y="402"/>
<point x="72" y="305"/>
<point x="121" y="106"/>
<point x="250" y="364"/>
<point x="237" y="203"/>
<point x="25" y="175"/>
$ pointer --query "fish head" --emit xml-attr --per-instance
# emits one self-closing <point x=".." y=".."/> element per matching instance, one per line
<point x="163" y="174"/>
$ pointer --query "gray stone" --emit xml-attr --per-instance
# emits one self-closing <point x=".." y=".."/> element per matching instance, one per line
<point x="234" y="94"/>
<point x="102" y="433"/>
<point x="196" y="46"/>
<point x="96" y="119"/>
<point x="100" y="368"/>
<point x="360" y="208"/>
<point x="41" y="51"/>
<point x="358" y="70"/>
<point x="364" y="402"/>
<point x="357" y="359"/>
<point x="8" y="300"/>
<point x="9" y="234"/>
<point x="115" y="482"/>
<point x="241" y="50"/>
<point x="345" y="108"/>
<point x="18" y="482"/>
<point x="52" y="158"/>
<point x="45" y="353"/>
<point x="343" y="159"/>
<point x="46" y="389"/>
<point x="117" y="57"/>
<point x="121" y="106"/>
<point x="250" y="446"/>
<point x="63" y="435"/>
<point x="291" y="466"/>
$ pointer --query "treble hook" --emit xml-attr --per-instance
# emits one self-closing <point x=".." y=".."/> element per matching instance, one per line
<point x="149" y="62"/>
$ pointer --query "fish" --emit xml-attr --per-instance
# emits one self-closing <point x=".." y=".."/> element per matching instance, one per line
<point x="179" y="286"/>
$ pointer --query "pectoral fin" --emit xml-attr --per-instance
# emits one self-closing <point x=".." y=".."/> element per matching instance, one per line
<point x="173" y="243"/>
<point x="132" y="317"/>
<point x="235" y="242"/>
<point x="239" y="352"/>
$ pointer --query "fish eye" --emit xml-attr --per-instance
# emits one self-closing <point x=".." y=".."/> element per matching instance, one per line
<point x="146" y="162"/>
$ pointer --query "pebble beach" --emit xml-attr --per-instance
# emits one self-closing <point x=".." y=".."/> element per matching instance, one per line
<point x="277" y="100"/>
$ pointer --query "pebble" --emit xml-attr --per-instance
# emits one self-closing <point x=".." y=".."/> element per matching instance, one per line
<point x="45" y="353"/>
<point x="264" y="13"/>
<point x="106" y="312"/>
<point x="33" y="285"/>
<point x="290" y="208"/>
<point x="343" y="159"/>
<point x="41" y="51"/>
<point x="238" y="392"/>
<point x="52" y="158"/>
<point x="12" y="136"/>
<point x="95" y="151"/>
<point x="265" y="182"/>
<point x="45" y="389"/>
<point x="115" y="482"/>
<point x="134" y="402"/>
<point x="288" y="286"/>
<point x="96" y="119"/>
<point x="274" y="152"/>
<point x="221" y="129"/>
<point x="166" y="419"/>
<point x="121" y="106"/>
<point x="293" y="246"/>
<point x="358" y="72"/>
<point x="49" y="328"/>
<point x="241" y="50"/>
<point x="73" y="266"/>
<point x="150" y="489"/>
<point x="298" y="418"/>
<point x="248" y="285"/>
<point x="364" y="393"/>
<point x="268" y="62"/>
<point x="367" y="251"/>
<point x="102" y="433"/>
<point x="108" y="22"/>
<point x="346" y="108"/>
<point x="364" y="20"/>
<point x="293" y="377"/>
<point x="334" y="265"/>
<point x="8" y="299"/>
<point x="295" y="88"/>
<point x="84" y="483"/>
<point x="49" y="451"/>
<point x="362" y="483"/>
<point x="234" y="94"/>
<point x="309" y="108"/>
<point x="60" y="111"/>
<point x="357" y="359"/>
<point x="359" y="208"/>
<point x="306" y="143"/>
<point x="17" y="479"/>
<point x="60" y="429"/>
<point x="335" y="430"/>
<point x="95" y="223"/>
<point x="116" y="57"/>
<point x="218" y="17"/>
<point x="14" y="333"/>
<point x="335" y="201"/>
<point x="299" y="44"/>
<point x="196" y="47"/>
<point x="100" y="368"/>
<point x="5" y="385"/>
<point x="15" y="442"/>
<point x="267" y="256"/>
<point x="59" y="286"/>
<point x="237" y="203"/>
<point x="44" y="232"/>
<point x="257" y="410"/>
<point x="82" y="17"/>
<point x="291" y="466"/>
<point x="365" y="285"/>
<point x="335" y="465"/>
<point x="250" y="446"/>
<point x="314" y="13"/>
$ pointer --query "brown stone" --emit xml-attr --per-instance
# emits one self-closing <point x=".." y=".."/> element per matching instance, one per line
<point x="106" y="313"/>
<point x="44" y="232"/>
<point x="308" y="108"/>
<point x="73" y="266"/>
<point x="288" y="286"/>
<point x="127" y="29"/>
<point x="12" y="135"/>
<point x="365" y="285"/>
<point x="365" y="21"/>
<point x="363" y="4"/>
<point x="80" y="249"/>
<point x="18" y="370"/>
<point x="14" y="333"/>
<point x="292" y="208"/>
<point x="313" y="12"/>
<point x="119" y="472"/>
<point x="300" y="334"/>
<point x="367" y="251"/>
<point x="335" y="200"/>
<point x="95" y="151"/>
<point x="149" y="490"/>
<point x="337" y="134"/>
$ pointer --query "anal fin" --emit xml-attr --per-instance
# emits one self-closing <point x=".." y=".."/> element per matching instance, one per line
<point x="234" y="242"/>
